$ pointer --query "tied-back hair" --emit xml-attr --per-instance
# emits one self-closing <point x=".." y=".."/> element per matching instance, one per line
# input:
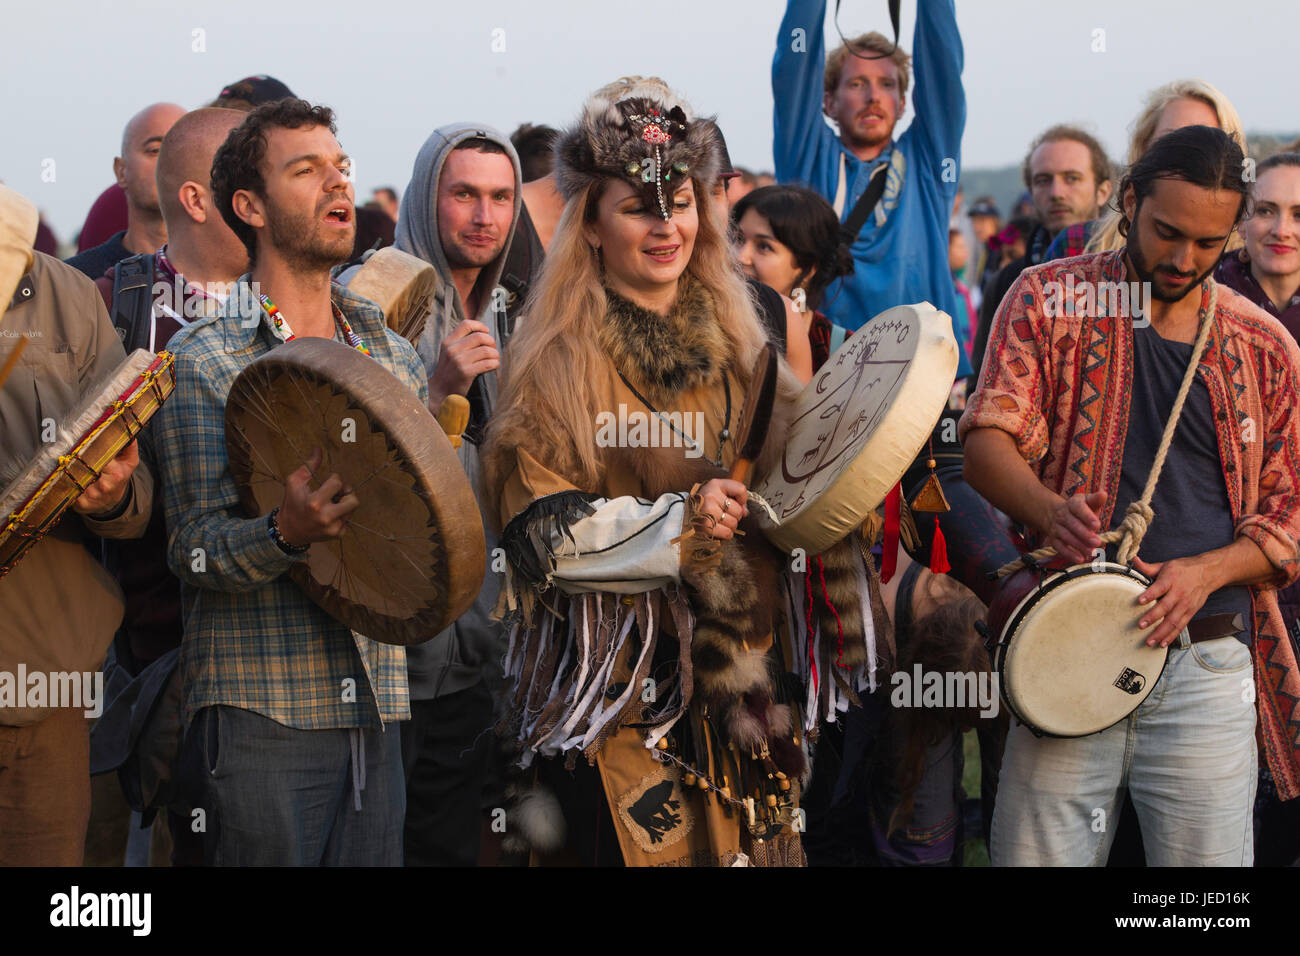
<point x="1108" y="238"/>
<point x="1200" y="155"/>
<point x="554" y="375"/>
<point x="1276" y="160"/>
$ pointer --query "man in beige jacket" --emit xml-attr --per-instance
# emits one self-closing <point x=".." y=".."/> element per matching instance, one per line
<point x="59" y="608"/>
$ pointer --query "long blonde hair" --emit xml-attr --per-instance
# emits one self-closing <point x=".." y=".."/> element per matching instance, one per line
<point x="1107" y="237"/>
<point x="554" y="374"/>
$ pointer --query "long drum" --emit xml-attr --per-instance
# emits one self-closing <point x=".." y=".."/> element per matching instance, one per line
<point x="412" y="557"/>
<point x="858" y="426"/>
<point x="1071" y="658"/>
<point x="89" y="437"/>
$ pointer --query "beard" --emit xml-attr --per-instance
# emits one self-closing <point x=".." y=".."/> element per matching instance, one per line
<point x="303" y="240"/>
<point x="1150" y="275"/>
<point x="871" y="140"/>
<point x="462" y="255"/>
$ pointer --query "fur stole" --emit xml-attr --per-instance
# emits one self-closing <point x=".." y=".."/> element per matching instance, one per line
<point x="664" y="356"/>
<point x="734" y="587"/>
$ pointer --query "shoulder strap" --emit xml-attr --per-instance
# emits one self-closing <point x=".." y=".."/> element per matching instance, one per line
<point x="866" y="203"/>
<point x="133" y="301"/>
<point x="841" y="185"/>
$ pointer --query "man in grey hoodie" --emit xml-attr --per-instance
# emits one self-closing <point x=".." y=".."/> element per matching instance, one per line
<point x="458" y="214"/>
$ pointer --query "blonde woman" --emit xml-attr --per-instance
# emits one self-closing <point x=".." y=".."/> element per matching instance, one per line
<point x="1169" y="107"/>
<point x="642" y="623"/>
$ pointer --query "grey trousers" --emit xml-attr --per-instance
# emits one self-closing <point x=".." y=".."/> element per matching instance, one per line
<point x="271" y="795"/>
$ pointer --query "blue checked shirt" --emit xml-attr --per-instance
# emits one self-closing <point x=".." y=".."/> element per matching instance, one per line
<point x="253" y="639"/>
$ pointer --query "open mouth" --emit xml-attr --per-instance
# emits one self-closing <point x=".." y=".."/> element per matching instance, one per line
<point x="340" y="215"/>
<point x="663" y="253"/>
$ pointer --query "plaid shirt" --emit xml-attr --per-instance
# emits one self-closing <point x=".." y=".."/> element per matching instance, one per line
<point x="253" y="639"/>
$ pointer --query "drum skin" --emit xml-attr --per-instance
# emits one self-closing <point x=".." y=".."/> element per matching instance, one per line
<point x="412" y="557"/>
<point x="402" y="285"/>
<point x="1071" y="659"/>
<point x="858" y="425"/>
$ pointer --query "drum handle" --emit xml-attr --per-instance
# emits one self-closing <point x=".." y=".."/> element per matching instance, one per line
<point x="1139" y="514"/>
<point x="453" y="416"/>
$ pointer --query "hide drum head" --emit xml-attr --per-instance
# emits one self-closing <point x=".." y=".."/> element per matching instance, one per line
<point x="1075" y="661"/>
<point x="412" y="557"/>
<point x="858" y="425"/>
<point x="403" y="287"/>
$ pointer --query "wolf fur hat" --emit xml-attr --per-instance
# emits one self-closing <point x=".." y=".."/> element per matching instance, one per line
<point x="641" y="131"/>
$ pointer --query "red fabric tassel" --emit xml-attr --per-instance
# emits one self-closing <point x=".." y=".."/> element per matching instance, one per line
<point x="939" y="551"/>
<point x="889" y="547"/>
<point x="808" y="619"/>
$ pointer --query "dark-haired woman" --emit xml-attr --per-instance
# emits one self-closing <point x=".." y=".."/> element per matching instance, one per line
<point x="788" y="237"/>
<point x="1267" y="271"/>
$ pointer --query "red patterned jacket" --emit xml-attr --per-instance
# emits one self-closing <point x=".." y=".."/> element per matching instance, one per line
<point x="1060" y="385"/>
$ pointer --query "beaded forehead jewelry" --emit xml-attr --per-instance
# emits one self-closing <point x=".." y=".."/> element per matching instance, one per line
<point x="657" y="129"/>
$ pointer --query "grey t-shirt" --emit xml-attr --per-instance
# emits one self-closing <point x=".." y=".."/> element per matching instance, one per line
<point x="1192" y="512"/>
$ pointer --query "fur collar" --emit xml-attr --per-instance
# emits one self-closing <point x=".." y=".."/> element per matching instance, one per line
<point x="666" y="355"/>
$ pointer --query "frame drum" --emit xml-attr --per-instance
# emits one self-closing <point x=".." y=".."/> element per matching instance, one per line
<point x="858" y="425"/>
<point x="413" y="556"/>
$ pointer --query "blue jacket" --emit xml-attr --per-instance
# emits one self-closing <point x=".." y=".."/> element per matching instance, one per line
<point x="901" y="254"/>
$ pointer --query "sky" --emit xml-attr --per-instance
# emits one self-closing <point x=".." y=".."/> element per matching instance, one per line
<point x="394" y="70"/>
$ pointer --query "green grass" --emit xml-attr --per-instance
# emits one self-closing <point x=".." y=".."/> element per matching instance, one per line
<point x="977" y="853"/>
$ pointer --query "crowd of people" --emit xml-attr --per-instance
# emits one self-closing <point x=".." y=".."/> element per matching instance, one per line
<point x="642" y="679"/>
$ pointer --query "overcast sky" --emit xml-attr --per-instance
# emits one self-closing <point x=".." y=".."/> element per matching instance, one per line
<point x="393" y="70"/>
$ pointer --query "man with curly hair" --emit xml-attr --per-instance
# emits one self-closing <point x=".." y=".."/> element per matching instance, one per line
<point x="289" y="713"/>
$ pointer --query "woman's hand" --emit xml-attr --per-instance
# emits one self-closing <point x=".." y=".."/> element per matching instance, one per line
<point x="722" y="505"/>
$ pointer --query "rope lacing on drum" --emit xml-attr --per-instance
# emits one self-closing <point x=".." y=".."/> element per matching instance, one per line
<point x="1139" y="515"/>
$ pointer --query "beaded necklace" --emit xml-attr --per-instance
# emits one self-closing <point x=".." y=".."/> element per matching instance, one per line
<point x="286" y="333"/>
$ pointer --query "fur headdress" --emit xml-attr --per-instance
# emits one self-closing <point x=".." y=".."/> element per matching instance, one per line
<point x="641" y="131"/>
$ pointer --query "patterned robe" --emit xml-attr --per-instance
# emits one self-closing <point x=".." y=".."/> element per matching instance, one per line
<point x="1060" y="385"/>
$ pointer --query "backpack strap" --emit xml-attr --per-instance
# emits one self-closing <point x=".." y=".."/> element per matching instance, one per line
<point x="133" y="301"/>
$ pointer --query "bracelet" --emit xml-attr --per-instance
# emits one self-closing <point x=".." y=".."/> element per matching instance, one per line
<point x="278" y="538"/>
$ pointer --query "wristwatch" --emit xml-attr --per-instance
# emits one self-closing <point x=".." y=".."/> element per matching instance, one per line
<point x="274" y="531"/>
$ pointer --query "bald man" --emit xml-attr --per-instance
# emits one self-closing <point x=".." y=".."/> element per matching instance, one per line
<point x="134" y="169"/>
<point x="201" y="255"/>
<point x="156" y="296"/>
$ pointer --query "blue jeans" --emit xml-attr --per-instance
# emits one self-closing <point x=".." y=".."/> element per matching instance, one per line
<point x="1187" y="757"/>
<point x="272" y="795"/>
